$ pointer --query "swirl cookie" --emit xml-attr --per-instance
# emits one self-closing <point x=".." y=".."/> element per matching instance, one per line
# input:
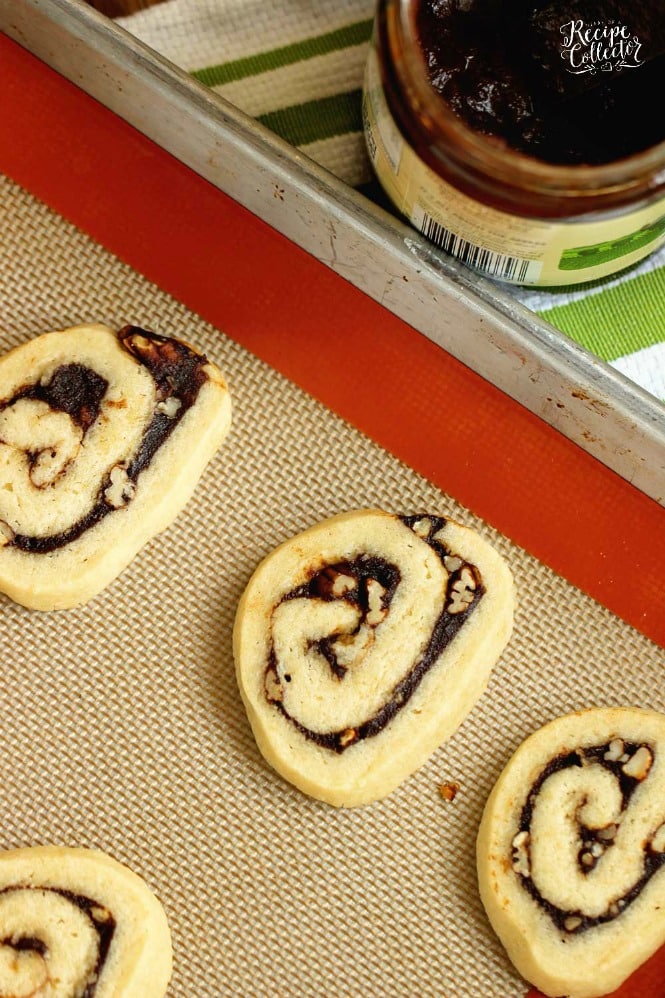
<point x="103" y="437"/>
<point x="571" y="851"/>
<point x="363" y="643"/>
<point x="75" y="923"/>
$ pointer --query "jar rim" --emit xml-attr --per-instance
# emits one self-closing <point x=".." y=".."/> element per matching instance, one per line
<point x="640" y="174"/>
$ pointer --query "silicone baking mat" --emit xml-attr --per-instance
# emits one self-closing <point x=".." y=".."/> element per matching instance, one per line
<point x="123" y="728"/>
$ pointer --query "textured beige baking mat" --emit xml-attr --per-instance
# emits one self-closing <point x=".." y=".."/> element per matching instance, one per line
<point x="122" y="727"/>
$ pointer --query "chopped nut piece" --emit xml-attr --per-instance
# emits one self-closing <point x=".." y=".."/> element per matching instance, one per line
<point x="607" y="834"/>
<point x="615" y="751"/>
<point x="462" y="592"/>
<point x="6" y="534"/>
<point x="521" y="860"/>
<point x="350" y="649"/>
<point x="452" y="563"/>
<point x="343" y="584"/>
<point x="169" y="406"/>
<point x="377" y="611"/>
<point x="141" y="342"/>
<point x="448" y="791"/>
<point x="587" y="859"/>
<point x="597" y="850"/>
<point x="347" y="737"/>
<point x="121" y="490"/>
<point x="571" y="923"/>
<point x="330" y="582"/>
<point x="639" y="765"/>
<point x="422" y="527"/>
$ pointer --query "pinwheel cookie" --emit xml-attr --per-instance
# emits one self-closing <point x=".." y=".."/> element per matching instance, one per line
<point x="571" y="851"/>
<point x="103" y="437"/>
<point x="362" y="644"/>
<point x="75" y="923"/>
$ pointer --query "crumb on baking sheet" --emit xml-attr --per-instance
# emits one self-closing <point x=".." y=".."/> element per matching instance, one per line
<point x="448" y="791"/>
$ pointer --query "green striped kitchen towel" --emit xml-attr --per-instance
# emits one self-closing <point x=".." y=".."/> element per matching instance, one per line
<point x="297" y="66"/>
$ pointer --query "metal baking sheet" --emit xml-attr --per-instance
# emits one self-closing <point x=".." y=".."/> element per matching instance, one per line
<point x="472" y="318"/>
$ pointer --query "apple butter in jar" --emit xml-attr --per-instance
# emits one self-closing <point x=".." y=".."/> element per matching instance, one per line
<point x="526" y="139"/>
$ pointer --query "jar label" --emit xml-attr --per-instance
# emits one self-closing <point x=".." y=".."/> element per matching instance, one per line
<point x="501" y="245"/>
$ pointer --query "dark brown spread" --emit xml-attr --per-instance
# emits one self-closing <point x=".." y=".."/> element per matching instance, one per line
<point x="567" y="82"/>
<point x="73" y="389"/>
<point x="598" y="755"/>
<point x="177" y="371"/>
<point x="100" y="919"/>
<point x="364" y="569"/>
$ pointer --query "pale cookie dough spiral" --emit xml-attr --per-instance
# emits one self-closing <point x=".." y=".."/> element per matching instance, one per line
<point x="52" y="942"/>
<point x="362" y="643"/>
<point x="75" y="923"/>
<point x="571" y="851"/>
<point x="103" y="436"/>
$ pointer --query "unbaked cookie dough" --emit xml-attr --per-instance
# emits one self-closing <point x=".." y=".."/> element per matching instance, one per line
<point x="103" y="436"/>
<point x="362" y="644"/>
<point x="571" y="851"/>
<point x="75" y="922"/>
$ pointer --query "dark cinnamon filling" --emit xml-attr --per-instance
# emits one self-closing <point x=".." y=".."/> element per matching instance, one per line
<point x="73" y="389"/>
<point x="363" y="570"/>
<point x="176" y="370"/>
<point x="653" y="861"/>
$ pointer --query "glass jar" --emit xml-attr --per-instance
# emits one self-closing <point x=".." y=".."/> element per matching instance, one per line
<point x="504" y="213"/>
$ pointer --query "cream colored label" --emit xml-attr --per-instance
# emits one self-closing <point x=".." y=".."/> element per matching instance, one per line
<point x="504" y="246"/>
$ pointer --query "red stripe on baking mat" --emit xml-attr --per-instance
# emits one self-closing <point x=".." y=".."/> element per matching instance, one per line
<point x="406" y="393"/>
<point x="647" y="982"/>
